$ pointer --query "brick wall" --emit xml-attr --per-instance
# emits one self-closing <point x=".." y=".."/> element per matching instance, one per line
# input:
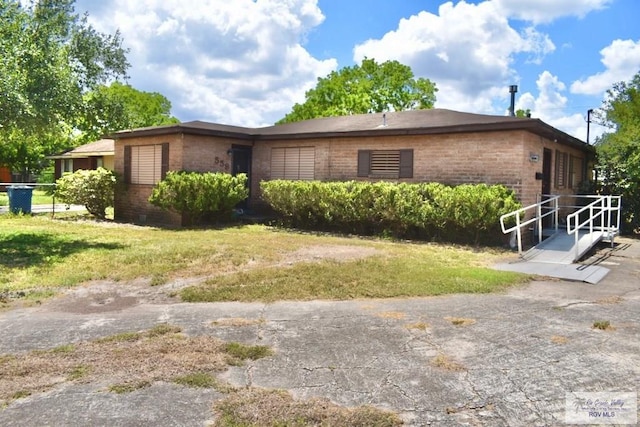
<point x="186" y="152"/>
<point x="481" y="157"/>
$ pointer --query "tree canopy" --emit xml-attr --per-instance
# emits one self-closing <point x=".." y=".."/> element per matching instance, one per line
<point x="619" y="151"/>
<point x="120" y="106"/>
<point x="366" y="88"/>
<point x="50" y="57"/>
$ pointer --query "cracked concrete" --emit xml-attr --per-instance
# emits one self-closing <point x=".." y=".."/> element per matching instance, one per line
<point x="526" y="349"/>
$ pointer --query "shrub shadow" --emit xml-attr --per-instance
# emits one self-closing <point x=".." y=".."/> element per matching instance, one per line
<point x="31" y="249"/>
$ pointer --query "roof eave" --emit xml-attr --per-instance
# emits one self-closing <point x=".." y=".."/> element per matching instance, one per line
<point x="179" y="129"/>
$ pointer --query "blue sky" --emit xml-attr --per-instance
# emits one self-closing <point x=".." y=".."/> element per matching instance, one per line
<point x="246" y="62"/>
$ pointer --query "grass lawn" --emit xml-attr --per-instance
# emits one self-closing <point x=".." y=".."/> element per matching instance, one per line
<point x="39" y="256"/>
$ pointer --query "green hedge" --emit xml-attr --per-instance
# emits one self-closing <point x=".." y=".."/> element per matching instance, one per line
<point x="200" y="196"/>
<point x="432" y="211"/>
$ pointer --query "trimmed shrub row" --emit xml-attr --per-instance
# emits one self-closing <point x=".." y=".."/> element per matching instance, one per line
<point x="200" y="196"/>
<point x="431" y="211"/>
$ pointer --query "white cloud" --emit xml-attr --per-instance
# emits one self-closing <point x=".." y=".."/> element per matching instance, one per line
<point x="466" y="49"/>
<point x="550" y="106"/>
<point x="543" y="11"/>
<point x="239" y="62"/>
<point x="621" y="60"/>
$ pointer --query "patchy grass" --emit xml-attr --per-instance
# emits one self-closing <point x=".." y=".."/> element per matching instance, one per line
<point x="559" y="339"/>
<point x="447" y="363"/>
<point x="245" y="263"/>
<point x="460" y="321"/>
<point x="398" y="315"/>
<point x="420" y="326"/>
<point x="159" y="354"/>
<point x="128" y="387"/>
<point x="238" y="322"/>
<point x="614" y="299"/>
<point x="407" y="270"/>
<point x="258" y="407"/>
<point x="204" y="380"/>
<point x="603" y="325"/>
<point x="240" y="352"/>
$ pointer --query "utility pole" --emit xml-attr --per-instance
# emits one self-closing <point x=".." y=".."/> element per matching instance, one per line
<point x="589" y="111"/>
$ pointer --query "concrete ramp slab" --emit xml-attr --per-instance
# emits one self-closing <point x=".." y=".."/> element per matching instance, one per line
<point x="576" y="272"/>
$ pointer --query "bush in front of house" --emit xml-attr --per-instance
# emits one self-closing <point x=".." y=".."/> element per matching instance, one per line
<point x="432" y="211"/>
<point x="92" y="188"/>
<point x="199" y="195"/>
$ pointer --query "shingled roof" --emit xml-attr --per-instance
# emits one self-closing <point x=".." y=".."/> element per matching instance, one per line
<point x="413" y="122"/>
<point x="102" y="147"/>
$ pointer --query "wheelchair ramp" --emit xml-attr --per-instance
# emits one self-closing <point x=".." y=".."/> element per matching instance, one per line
<point x="575" y="272"/>
<point x="555" y="257"/>
<point x="561" y="248"/>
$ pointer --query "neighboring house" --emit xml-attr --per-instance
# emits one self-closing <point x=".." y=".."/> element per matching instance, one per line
<point x="525" y="154"/>
<point x="5" y="177"/>
<point x="89" y="156"/>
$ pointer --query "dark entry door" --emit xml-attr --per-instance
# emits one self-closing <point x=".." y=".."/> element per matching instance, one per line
<point x="241" y="163"/>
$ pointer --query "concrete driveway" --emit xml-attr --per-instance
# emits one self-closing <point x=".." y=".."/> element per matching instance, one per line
<point x="497" y="360"/>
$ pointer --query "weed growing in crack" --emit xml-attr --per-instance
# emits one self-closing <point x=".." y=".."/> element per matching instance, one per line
<point x="603" y="325"/>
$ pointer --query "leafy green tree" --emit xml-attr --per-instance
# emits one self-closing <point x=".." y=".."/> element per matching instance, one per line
<point x="49" y="58"/>
<point x="366" y="88"/>
<point x="92" y="188"/>
<point x="120" y="106"/>
<point x="619" y="151"/>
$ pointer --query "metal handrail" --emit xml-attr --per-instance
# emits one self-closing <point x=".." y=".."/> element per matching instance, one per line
<point x="552" y="209"/>
<point x="601" y="209"/>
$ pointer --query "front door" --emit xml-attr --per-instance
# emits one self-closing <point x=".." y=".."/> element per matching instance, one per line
<point x="241" y="163"/>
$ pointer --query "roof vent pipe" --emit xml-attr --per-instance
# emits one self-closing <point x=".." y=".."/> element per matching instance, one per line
<point x="512" y="90"/>
<point x="384" y="119"/>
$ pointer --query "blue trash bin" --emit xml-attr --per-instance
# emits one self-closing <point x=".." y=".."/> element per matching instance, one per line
<point x="20" y="198"/>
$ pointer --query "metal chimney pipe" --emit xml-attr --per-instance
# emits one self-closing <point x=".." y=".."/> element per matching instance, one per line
<point x="512" y="90"/>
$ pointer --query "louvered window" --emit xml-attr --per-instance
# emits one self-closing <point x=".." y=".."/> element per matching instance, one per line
<point x="390" y="164"/>
<point x="146" y="164"/>
<point x="293" y="163"/>
<point x="561" y="169"/>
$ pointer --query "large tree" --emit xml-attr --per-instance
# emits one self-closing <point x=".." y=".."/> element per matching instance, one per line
<point x="120" y="106"/>
<point x="619" y="151"/>
<point x="366" y="88"/>
<point x="49" y="58"/>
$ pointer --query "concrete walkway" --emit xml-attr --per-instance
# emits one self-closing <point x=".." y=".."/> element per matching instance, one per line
<point x="517" y="354"/>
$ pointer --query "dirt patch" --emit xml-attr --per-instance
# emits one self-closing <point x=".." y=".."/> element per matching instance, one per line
<point x="329" y="252"/>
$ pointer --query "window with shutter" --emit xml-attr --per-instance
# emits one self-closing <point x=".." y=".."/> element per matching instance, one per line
<point x="293" y="163"/>
<point x="561" y="169"/>
<point x="389" y="164"/>
<point x="146" y="163"/>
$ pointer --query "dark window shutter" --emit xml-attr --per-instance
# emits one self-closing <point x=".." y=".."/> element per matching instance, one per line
<point x="127" y="164"/>
<point x="165" y="160"/>
<point x="406" y="164"/>
<point x="364" y="162"/>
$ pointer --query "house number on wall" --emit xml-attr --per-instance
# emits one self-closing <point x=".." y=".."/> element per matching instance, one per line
<point x="221" y="164"/>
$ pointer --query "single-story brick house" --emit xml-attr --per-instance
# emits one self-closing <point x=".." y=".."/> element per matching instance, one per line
<point x="89" y="156"/>
<point x="438" y="145"/>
